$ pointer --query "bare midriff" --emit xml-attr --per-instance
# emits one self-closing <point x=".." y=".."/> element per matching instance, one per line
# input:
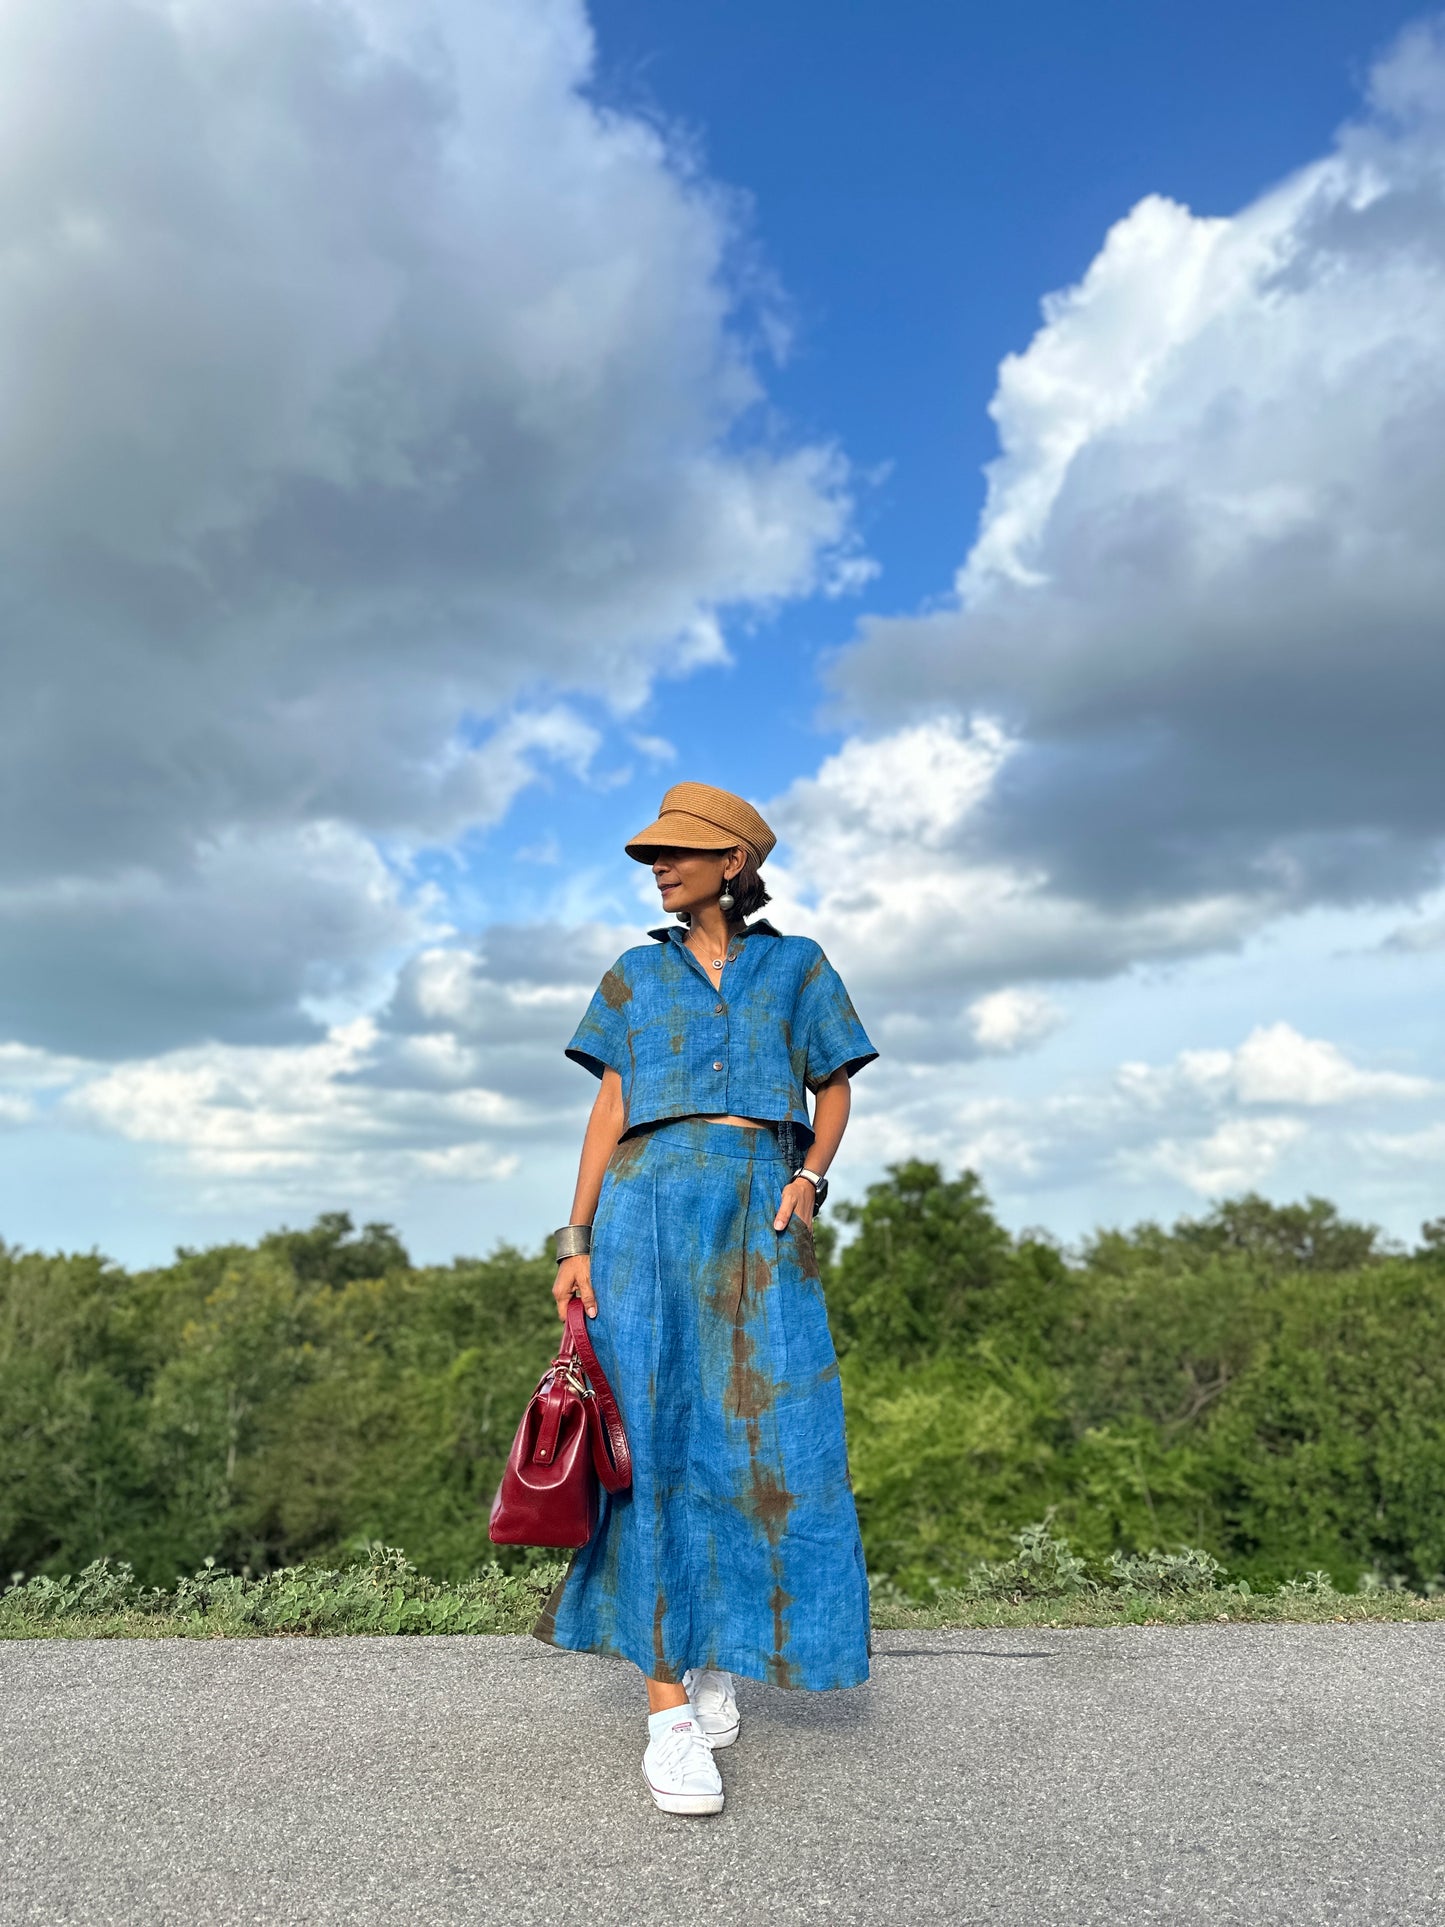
<point x="753" y="1123"/>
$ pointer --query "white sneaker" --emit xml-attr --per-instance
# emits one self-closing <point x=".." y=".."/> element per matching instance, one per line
<point x="714" y="1702"/>
<point x="681" y="1770"/>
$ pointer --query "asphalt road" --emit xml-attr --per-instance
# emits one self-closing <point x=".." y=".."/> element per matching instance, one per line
<point x="1260" y="1775"/>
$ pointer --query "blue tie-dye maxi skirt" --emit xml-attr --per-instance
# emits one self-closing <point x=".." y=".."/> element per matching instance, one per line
<point x="738" y="1544"/>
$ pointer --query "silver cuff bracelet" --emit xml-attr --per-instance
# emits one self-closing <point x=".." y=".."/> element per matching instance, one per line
<point x="572" y="1240"/>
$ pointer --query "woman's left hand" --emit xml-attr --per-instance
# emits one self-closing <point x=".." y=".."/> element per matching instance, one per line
<point x="797" y="1196"/>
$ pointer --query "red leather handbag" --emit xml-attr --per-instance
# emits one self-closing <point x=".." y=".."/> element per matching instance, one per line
<point x="570" y="1437"/>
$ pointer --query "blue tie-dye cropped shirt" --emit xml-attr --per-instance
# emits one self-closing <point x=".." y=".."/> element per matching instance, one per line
<point x="780" y="1024"/>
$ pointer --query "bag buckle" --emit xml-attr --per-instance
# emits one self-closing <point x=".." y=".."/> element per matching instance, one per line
<point x="567" y="1367"/>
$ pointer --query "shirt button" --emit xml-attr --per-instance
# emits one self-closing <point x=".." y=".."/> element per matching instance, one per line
<point x="718" y="1009"/>
<point x="717" y="1063"/>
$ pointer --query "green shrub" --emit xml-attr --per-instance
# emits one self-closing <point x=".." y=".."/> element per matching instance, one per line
<point x="1042" y="1567"/>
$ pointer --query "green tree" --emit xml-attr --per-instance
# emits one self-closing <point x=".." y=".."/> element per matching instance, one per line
<point x="332" y="1252"/>
<point x="1308" y="1237"/>
<point x="927" y="1257"/>
<point x="1266" y="1382"/>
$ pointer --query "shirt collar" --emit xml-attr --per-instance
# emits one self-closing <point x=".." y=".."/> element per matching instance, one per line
<point x="759" y="927"/>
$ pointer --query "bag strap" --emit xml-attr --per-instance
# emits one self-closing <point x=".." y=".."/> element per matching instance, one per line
<point x="616" y="1480"/>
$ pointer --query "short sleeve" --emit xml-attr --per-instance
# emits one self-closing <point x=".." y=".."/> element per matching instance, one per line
<point x="828" y="1026"/>
<point x="600" y="1041"/>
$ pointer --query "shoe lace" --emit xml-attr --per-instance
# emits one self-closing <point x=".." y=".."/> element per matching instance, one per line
<point x="676" y="1742"/>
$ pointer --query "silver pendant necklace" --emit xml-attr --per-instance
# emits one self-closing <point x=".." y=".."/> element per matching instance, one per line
<point x="718" y="962"/>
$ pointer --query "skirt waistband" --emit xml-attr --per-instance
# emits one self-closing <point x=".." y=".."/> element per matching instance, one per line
<point x="694" y="1134"/>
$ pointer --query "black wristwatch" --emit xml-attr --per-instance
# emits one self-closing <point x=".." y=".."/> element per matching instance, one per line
<point x="819" y="1184"/>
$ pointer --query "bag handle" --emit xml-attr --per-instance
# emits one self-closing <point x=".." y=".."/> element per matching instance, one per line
<point x="619" y="1479"/>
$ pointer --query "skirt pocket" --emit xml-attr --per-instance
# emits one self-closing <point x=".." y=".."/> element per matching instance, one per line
<point x="808" y="1360"/>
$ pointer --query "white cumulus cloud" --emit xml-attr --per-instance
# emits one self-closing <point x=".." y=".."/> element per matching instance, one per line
<point x="1238" y="1155"/>
<point x="1007" y="1020"/>
<point x="1205" y="600"/>
<point x="1275" y="1064"/>
<point x="371" y="386"/>
<point x="885" y="855"/>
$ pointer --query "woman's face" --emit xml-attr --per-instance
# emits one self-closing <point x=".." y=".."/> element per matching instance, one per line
<point x="691" y="879"/>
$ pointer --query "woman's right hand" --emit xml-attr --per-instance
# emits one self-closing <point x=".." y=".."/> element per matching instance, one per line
<point x="574" y="1280"/>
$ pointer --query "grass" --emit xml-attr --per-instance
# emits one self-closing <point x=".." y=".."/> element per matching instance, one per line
<point x="1043" y="1584"/>
<point x="1046" y="1583"/>
<point x="382" y="1594"/>
<point x="1221" y="1605"/>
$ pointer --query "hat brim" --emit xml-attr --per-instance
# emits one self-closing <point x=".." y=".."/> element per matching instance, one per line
<point x="675" y="829"/>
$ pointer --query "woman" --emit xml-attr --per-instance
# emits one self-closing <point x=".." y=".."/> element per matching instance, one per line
<point x="736" y="1550"/>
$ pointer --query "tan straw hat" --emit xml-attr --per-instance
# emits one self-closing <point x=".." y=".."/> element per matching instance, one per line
<point x="695" y="816"/>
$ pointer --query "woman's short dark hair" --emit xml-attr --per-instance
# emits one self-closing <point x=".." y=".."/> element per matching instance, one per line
<point x="748" y="888"/>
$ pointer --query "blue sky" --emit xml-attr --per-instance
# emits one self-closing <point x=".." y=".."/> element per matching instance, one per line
<point x="922" y="174"/>
<point x="511" y="409"/>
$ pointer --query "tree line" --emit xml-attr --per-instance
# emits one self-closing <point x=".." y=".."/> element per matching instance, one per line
<point x="1264" y="1382"/>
